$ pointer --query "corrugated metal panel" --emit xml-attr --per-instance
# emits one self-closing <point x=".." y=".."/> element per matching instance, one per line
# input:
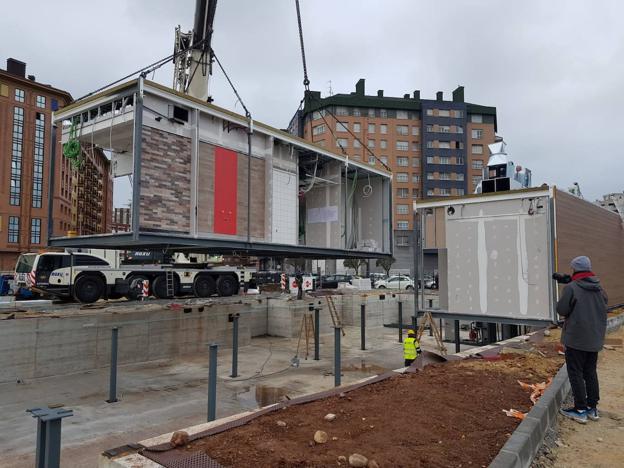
<point x="586" y="229"/>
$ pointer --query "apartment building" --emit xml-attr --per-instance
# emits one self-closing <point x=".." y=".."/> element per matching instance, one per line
<point x="434" y="147"/>
<point x="26" y="108"/>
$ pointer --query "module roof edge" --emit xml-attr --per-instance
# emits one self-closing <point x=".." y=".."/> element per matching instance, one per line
<point x="94" y="97"/>
<point x="441" y="201"/>
<point x="280" y="133"/>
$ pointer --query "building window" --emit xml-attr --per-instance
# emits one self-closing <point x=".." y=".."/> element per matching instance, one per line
<point x="415" y="131"/>
<point x="20" y="95"/>
<point x="403" y="225"/>
<point x="402" y="209"/>
<point x="444" y="144"/>
<point x="477" y="149"/>
<point x="476" y="180"/>
<point x="477" y="164"/>
<point x="415" y="146"/>
<point x="37" y="195"/>
<point x="445" y="176"/>
<point x="383" y="129"/>
<point x="318" y="114"/>
<point x="459" y="176"/>
<point x="383" y="144"/>
<point x="41" y="102"/>
<point x="402" y="177"/>
<point x="372" y="160"/>
<point x="445" y="192"/>
<point x="477" y="134"/>
<point x="340" y="110"/>
<point x="402" y="241"/>
<point x="401" y="114"/>
<point x="429" y="111"/>
<point x="402" y="193"/>
<point x="342" y="126"/>
<point x="459" y="129"/>
<point x="384" y="159"/>
<point x="13" y="229"/>
<point x="16" y="156"/>
<point x="356" y="112"/>
<point x="445" y="160"/>
<point x="35" y="231"/>
<point x="476" y="118"/>
<point x="371" y="113"/>
<point x="430" y="144"/>
<point x="383" y="113"/>
<point x="415" y="178"/>
<point x="371" y="128"/>
<point x="444" y="113"/>
<point x="319" y="129"/>
<point x="415" y="162"/>
<point x="371" y="143"/>
<point x="357" y="127"/>
<point x="356" y="143"/>
<point x="402" y="130"/>
<point x="402" y="161"/>
<point x="430" y="176"/>
<point x="402" y="145"/>
<point x="459" y="160"/>
<point x="458" y="114"/>
<point x="430" y="193"/>
<point x="444" y="128"/>
<point x="461" y="191"/>
<point x="430" y="159"/>
<point x="342" y="142"/>
<point x="430" y="128"/>
<point x="415" y="193"/>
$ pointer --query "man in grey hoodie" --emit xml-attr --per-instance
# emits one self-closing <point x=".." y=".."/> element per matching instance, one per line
<point x="583" y="305"/>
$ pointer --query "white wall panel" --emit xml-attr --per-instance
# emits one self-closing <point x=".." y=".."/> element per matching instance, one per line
<point x="284" y="220"/>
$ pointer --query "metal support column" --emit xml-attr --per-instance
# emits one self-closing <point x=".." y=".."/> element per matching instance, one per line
<point x="337" y="369"/>
<point x="234" y="320"/>
<point x="48" y="453"/>
<point x="363" y="327"/>
<point x="112" y="384"/>
<point x="317" y="333"/>
<point x="457" y="349"/>
<point x="400" y="322"/>
<point x="212" y="383"/>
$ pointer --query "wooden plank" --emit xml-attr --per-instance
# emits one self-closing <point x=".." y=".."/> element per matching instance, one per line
<point x="587" y="229"/>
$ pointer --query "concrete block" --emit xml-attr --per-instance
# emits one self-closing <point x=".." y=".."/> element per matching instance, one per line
<point x="520" y="444"/>
<point x="506" y="459"/>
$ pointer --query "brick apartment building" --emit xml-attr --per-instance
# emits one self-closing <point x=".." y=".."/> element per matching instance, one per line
<point x="434" y="147"/>
<point x="26" y="107"/>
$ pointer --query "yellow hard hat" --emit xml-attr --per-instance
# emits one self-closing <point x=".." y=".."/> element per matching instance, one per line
<point x="411" y="332"/>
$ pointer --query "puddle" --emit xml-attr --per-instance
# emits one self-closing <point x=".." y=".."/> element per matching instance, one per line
<point x="257" y="396"/>
<point x="363" y="367"/>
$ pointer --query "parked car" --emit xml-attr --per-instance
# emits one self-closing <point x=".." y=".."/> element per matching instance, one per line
<point x="375" y="277"/>
<point x="331" y="281"/>
<point x="396" y="282"/>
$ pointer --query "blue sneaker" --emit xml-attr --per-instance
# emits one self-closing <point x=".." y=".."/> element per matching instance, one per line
<point x="580" y="416"/>
<point x="592" y="413"/>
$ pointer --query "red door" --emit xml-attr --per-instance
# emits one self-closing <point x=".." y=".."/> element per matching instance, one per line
<point x="225" y="195"/>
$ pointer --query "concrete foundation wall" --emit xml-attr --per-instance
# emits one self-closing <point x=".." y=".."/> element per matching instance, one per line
<point x="45" y="346"/>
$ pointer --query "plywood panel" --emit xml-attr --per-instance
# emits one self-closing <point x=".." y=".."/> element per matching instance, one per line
<point x="586" y="229"/>
<point x="258" y="187"/>
<point x="205" y="188"/>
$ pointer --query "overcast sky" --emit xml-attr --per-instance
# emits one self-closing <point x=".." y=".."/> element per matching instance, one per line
<point x="553" y="69"/>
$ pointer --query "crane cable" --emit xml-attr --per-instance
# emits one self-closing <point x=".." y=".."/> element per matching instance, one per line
<point x="306" y="81"/>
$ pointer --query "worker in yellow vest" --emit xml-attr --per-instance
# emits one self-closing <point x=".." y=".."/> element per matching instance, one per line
<point x="411" y="348"/>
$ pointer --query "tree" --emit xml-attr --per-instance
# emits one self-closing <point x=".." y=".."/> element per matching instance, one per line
<point x="385" y="263"/>
<point x="354" y="263"/>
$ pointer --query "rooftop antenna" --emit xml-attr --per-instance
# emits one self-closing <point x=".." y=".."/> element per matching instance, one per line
<point x="331" y="93"/>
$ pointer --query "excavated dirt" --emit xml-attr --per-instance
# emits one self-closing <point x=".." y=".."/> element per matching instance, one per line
<point x="445" y="415"/>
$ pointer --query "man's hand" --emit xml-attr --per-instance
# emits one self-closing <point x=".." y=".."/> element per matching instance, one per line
<point x="562" y="278"/>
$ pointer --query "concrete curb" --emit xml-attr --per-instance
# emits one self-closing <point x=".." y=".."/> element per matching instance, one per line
<point x="527" y="439"/>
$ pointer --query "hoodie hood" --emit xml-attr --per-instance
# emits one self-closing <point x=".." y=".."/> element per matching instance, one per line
<point x="591" y="283"/>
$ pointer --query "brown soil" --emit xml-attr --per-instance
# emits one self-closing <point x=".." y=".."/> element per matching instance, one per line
<point x="446" y="415"/>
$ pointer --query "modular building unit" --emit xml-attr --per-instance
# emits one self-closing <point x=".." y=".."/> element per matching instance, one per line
<point x="206" y="179"/>
<point x="497" y="251"/>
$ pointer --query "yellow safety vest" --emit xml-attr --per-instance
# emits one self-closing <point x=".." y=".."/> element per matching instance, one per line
<point x="411" y="346"/>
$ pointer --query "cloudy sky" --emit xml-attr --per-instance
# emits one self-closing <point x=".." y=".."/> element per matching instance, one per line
<point x="554" y="69"/>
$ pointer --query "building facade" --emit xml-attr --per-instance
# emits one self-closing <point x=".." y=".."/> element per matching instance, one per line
<point x="434" y="147"/>
<point x="26" y="108"/>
